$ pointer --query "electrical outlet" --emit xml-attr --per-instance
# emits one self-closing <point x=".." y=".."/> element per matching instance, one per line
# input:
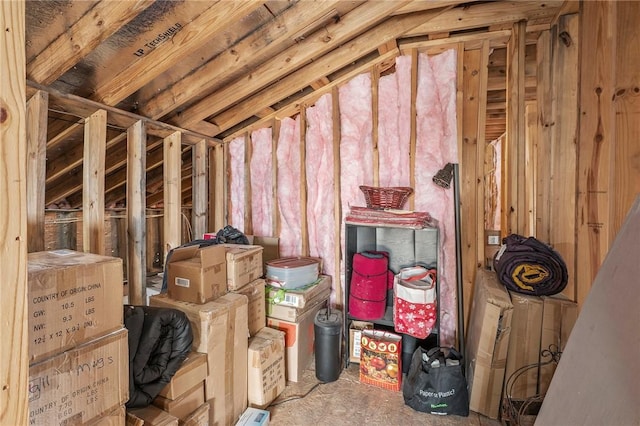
<point x="493" y="240"/>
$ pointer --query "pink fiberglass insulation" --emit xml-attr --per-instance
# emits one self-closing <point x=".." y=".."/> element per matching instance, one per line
<point x="288" y="155"/>
<point x="236" y="183"/>
<point x="261" y="182"/>
<point x="394" y="124"/>
<point x="436" y="145"/>
<point x="356" y="163"/>
<point x="493" y="221"/>
<point x="320" y="185"/>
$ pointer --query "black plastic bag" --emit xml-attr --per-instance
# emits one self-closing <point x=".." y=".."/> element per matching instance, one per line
<point x="436" y="383"/>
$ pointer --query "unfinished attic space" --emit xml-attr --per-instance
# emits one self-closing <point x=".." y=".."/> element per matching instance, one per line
<point x="319" y="212"/>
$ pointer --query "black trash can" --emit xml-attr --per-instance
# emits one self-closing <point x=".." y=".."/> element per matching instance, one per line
<point x="328" y="344"/>
<point x="409" y="346"/>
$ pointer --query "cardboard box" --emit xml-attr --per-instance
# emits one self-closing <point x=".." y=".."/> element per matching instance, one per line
<point x="254" y="417"/>
<point x="150" y="416"/>
<point x="558" y="317"/>
<point x="115" y="418"/>
<point x="299" y="340"/>
<point x="257" y="314"/>
<point x="73" y="297"/>
<point x="200" y="417"/>
<point x="220" y="329"/>
<point x="244" y="264"/>
<point x="192" y="371"/>
<point x="524" y="345"/>
<point x="289" y="313"/>
<point x="82" y="384"/>
<point x="271" y="246"/>
<point x="197" y="275"/>
<point x="487" y="343"/>
<point x="381" y="360"/>
<point x="185" y="404"/>
<point x="355" y="335"/>
<point x="266" y="367"/>
<point x="299" y="297"/>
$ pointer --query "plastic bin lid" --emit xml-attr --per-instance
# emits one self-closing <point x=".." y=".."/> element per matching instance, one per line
<point x="292" y="262"/>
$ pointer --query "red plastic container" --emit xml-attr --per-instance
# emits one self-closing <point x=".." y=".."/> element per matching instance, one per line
<point x="370" y="280"/>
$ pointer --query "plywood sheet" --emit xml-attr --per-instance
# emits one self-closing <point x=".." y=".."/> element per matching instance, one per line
<point x="596" y="381"/>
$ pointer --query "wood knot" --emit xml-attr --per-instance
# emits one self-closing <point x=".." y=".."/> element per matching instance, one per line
<point x="3" y="115"/>
<point x="565" y="38"/>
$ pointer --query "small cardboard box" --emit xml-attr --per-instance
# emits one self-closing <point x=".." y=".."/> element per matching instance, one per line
<point x="355" y="335"/>
<point x="487" y="343"/>
<point x="244" y="264"/>
<point x="524" y="345"/>
<point x="221" y="330"/>
<point x="381" y="360"/>
<point x="73" y="297"/>
<point x="186" y="403"/>
<point x="289" y="313"/>
<point x="196" y="274"/>
<point x="299" y="340"/>
<point x="192" y="371"/>
<point x="266" y="367"/>
<point x="257" y="314"/>
<point x="299" y="297"/>
<point x="254" y="417"/>
<point x="200" y="417"/>
<point x="81" y="384"/>
<point x="150" y="416"/>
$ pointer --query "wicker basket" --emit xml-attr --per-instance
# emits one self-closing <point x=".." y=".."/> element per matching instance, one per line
<point x="386" y="198"/>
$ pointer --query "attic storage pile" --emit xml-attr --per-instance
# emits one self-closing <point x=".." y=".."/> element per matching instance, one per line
<point x="518" y="327"/>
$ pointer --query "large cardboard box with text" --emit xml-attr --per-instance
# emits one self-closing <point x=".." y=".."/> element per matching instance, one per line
<point x="220" y="330"/>
<point x="82" y="384"/>
<point x="116" y="417"/>
<point x="73" y="297"/>
<point x="266" y="367"/>
<point x="487" y="343"/>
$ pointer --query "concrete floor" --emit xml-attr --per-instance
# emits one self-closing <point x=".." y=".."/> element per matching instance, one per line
<point x="349" y="402"/>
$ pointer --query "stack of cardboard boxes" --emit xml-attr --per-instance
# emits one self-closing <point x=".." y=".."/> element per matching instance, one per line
<point x="294" y="312"/>
<point x="507" y="332"/>
<point x="197" y="285"/>
<point x="79" y="370"/>
<point x="220" y="289"/>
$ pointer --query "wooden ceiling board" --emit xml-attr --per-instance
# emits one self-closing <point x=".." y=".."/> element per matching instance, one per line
<point x="224" y="42"/>
<point x="244" y="56"/>
<point x="45" y="20"/>
<point x="309" y="49"/>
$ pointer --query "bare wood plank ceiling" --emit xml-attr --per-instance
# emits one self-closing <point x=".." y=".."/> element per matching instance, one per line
<point x="216" y="68"/>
